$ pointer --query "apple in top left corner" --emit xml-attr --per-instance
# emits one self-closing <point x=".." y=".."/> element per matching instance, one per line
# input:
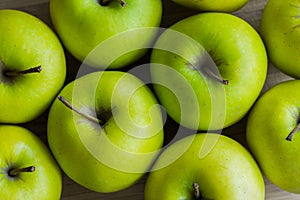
<point x="32" y="66"/>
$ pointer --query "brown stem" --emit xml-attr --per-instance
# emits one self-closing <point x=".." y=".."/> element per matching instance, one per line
<point x="292" y="133"/>
<point x="197" y="193"/>
<point x="16" y="171"/>
<point x="216" y="77"/>
<point x="105" y="2"/>
<point x="123" y="3"/>
<point x="37" y="69"/>
<point x="225" y="82"/>
<point x="209" y="72"/>
<point x="69" y="105"/>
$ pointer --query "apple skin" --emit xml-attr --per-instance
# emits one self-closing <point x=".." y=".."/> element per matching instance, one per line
<point x="26" y="42"/>
<point x="20" y="148"/>
<point x="228" y="172"/>
<point x="114" y="156"/>
<point x="213" y="5"/>
<point x="272" y="118"/>
<point x="82" y="25"/>
<point x="279" y="29"/>
<point x="238" y="54"/>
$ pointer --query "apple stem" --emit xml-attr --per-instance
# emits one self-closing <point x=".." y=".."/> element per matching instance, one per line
<point x="123" y="3"/>
<point x="15" y="171"/>
<point x="105" y="2"/>
<point x="209" y="72"/>
<point x="69" y="105"/>
<point x="197" y="193"/>
<point x="37" y="69"/>
<point x="292" y="133"/>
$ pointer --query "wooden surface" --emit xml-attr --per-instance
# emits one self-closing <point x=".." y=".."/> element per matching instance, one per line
<point x="172" y="13"/>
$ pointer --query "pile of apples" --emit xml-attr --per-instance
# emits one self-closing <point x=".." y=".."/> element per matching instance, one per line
<point x="206" y="72"/>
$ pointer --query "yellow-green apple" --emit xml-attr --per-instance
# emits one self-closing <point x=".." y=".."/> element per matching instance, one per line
<point x="224" y="61"/>
<point x="272" y="134"/>
<point x="84" y="24"/>
<point x="213" y="5"/>
<point x="27" y="168"/>
<point x="32" y="66"/>
<point x="227" y="172"/>
<point x="280" y="25"/>
<point x="105" y="129"/>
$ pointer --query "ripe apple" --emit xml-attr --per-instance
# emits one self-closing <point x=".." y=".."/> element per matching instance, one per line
<point x="279" y="29"/>
<point x="227" y="172"/>
<point x="222" y="59"/>
<point x="27" y="168"/>
<point x="32" y="66"/>
<point x="105" y="130"/>
<point x="272" y="134"/>
<point x="82" y="25"/>
<point x="213" y="5"/>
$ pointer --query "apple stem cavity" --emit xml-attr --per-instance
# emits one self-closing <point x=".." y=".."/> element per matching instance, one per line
<point x="16" y="171"/>
<point x="106" y="2"/>
<point x="69" y="105"/>
<point x="37" y="69"/>
<point x="292" y="133"/>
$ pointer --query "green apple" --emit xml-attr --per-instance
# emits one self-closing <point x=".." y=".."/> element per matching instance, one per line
<point x="32" y="66"/>
<point x="27" y="168"/>
<point x="279" y="29"/>
<point x="272" y="134"/>
<point x="105" y="130"/>
<point x="227" y="172"/>
<point x="82" y="25"/>
<point x="213" y="5"/>
<point x="222" y="59"/>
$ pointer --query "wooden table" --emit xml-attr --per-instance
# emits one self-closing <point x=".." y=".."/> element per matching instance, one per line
<point x="172" y="13"/>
